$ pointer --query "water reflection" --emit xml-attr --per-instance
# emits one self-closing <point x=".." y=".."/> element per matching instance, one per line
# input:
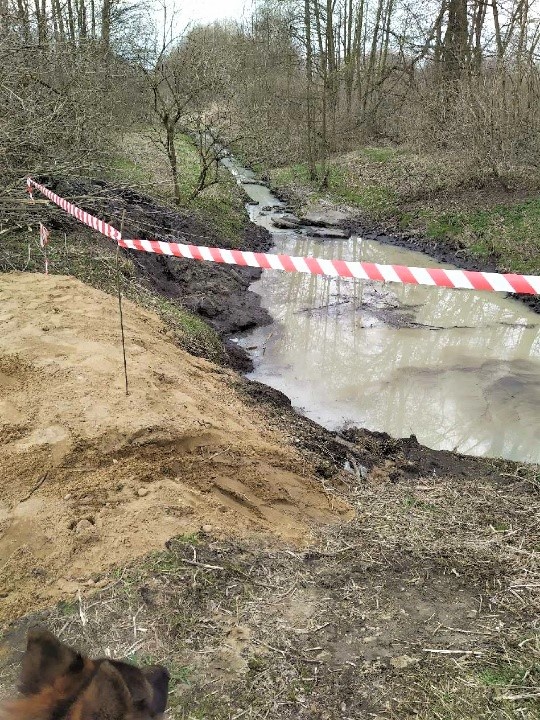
<point x="459" y="369"/>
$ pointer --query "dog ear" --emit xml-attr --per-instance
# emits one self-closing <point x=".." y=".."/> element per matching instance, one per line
<point x="148" y="686"/>
<point x="158" y="677"/>
<point x="45" y="660"/>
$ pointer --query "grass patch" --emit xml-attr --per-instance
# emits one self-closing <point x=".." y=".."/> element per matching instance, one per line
<point x="508" y="233"/>
<point x="139" y="162"/>
<point x="502" y="689"/>
<point x="374" y="199"/>
<point x="122" y="168"/>
<point x="67" y="608"/>
<point x="413" y="503"/>
<point x="503" y="675"/>
<point x="179" y="674"/>
<point x="380" y="154"/>
<point x="191" y="332"/>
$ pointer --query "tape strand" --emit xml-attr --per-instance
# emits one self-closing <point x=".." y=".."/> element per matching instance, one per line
<point x="456" y="279"/>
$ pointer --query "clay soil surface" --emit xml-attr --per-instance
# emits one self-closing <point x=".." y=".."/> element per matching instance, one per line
<point x="92" y="478"/>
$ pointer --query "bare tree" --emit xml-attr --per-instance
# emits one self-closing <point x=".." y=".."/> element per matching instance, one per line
<point x="183" y="82"/>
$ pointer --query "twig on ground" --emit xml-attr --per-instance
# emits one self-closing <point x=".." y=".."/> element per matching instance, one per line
<point x="467" y="632"/>
<point x="523" y="696"/>
<point x="36" y="487"/>
<point x="203" y="565"/>
<point x="82" y="611"/>
<point x="452" y="652"/>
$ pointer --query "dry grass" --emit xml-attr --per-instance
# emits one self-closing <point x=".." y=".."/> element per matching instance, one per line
<point x="352" y="627"/>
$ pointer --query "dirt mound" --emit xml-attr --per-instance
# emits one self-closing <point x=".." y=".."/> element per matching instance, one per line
<point x="92" y="478"/>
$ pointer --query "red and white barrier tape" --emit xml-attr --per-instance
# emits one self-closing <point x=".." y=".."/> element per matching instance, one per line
<point x="511" y="283"/>
<point x="463" y="279"/>
<point x="81" y="215"/>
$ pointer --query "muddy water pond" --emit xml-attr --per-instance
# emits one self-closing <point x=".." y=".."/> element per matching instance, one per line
<point x="458" y="369"/>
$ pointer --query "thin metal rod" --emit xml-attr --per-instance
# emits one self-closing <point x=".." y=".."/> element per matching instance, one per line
<point x="120" y="303"/>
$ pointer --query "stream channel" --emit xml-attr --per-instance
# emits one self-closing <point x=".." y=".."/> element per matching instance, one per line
<point x="459" y="369"/>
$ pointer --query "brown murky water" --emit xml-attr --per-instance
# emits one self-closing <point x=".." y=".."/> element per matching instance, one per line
<point x="458" y="369"/>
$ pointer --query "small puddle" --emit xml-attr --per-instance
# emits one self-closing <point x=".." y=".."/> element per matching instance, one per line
<point x="458" y="369"/>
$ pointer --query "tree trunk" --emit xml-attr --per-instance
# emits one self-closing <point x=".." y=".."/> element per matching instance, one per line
<point x="41" y="20"/>
<point x="106" y="24"/>
<point x="71" y="22"/>
<point x="455" y="43"/>
<point x="309" y="94"/>
<point x="173" y="161"/>
<point x="92" y="20"/>
<point x="24" y="19"/>
<point x="370" y="75"/>
<point x="57" y="14"/>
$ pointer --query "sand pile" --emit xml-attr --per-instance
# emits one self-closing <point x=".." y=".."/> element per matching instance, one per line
<point x="92" y="478"/>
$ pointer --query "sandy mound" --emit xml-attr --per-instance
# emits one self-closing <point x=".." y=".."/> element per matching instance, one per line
<point x="91" y="477"/>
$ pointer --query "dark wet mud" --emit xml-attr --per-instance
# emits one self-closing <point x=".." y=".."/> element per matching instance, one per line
<point x="217" y="293"/>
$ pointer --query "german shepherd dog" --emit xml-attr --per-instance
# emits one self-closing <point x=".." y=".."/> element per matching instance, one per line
<point x="58" y="683"/>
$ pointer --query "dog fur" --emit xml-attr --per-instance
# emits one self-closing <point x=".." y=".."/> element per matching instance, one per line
<point x="58" y="683"/>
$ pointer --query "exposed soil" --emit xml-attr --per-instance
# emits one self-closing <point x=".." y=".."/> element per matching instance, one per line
<point x="217" y="293"/>
<point x="315" y="574"/>
<point x="364" y="453"/>
<point x="93" y="478"/>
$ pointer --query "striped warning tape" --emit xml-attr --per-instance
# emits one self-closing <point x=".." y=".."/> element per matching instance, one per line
<point x="81" y="215"/>
<point x="462" y="279"/>
<point x="527" y="284"/>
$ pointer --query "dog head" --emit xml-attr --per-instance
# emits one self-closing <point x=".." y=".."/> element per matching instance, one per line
<point x="58" y="683"/>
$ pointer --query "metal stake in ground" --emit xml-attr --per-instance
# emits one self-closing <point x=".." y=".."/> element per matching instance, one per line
<point x="120" y="301"/>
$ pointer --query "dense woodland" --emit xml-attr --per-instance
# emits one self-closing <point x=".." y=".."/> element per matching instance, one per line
<point x="303" y="79"/>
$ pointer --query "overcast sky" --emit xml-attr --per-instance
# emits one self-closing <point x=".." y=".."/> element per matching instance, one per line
<point x="205" y="11"/>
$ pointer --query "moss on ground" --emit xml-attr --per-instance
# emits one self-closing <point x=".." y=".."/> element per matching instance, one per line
<point x="447" y="198"/>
